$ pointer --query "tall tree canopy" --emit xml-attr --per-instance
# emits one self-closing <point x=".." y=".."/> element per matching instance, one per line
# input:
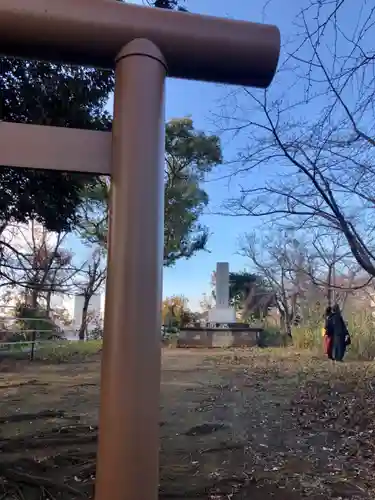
<point x="48" y="94"/>
<point x="190" y="155"/>
<point x="65" y="96"/>
<point x="51" y="94"/>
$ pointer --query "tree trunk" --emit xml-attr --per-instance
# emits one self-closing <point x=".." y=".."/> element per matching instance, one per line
<point x="288" y="326"/>
<point x="48" y="302"/>
<point x="286" y="317"/>
<point x="330" y="292"/>
<point x="83" y="327"/>
<point x="34" y="299"/>
<point x="34" y="305"/>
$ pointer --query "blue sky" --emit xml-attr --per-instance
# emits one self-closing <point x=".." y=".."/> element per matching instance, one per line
<point x="191" y="278"/>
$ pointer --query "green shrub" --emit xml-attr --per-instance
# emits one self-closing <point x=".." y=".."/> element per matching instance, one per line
<point x="95" y="334"/>
<point x="32" y="322"/>
<point x="271" y="337"/>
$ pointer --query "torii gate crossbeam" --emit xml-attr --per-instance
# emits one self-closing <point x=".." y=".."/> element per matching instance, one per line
<point x="142" y="44"/>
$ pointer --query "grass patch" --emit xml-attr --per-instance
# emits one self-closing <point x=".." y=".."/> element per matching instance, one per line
<point x="65" y="352"/>
<point x="361" y="326"/>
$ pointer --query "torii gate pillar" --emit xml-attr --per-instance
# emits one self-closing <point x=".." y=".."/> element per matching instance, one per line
<point x="130" y="376"/>
<point x="141" y="43"/>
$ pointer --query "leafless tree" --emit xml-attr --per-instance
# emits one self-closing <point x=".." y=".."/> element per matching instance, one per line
<point x="335" y="270"/>
<point x="308" y="160"/>
<point x="90" y="280"/>
<point x="280" y="261"/>
<point x="35" y="264"/>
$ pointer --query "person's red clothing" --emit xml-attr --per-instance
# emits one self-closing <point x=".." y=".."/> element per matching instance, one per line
<point x="328" y="345"/>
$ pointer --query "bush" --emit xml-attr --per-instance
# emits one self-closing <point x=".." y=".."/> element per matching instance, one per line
<point x="271" y="337"/>
<point x="31" y="320"/>
<point x="95" y="334"/>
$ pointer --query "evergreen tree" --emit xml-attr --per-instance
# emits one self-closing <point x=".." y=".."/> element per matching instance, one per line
<point x="59" y="95"/>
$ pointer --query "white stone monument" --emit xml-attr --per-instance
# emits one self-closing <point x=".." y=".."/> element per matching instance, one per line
<point x="222" y="312"/>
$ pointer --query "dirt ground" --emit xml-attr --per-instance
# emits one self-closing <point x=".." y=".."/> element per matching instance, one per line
<point x="256" y="424"/>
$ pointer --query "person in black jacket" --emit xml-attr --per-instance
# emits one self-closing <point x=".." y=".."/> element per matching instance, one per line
<point x="337" y="330"/>
<point x="328" y="333"/>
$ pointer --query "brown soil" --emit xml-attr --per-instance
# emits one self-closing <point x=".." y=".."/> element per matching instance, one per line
<point x="271" y="424"/>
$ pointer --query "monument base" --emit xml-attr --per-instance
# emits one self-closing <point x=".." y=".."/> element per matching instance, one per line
<point x="222" y="315"/>
<point x="233" y="335"/>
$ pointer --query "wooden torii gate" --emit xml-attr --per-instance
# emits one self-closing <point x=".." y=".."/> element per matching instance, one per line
<point x="142" y="45"/>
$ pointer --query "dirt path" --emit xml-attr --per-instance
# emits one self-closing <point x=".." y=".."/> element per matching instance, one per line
<point x="254" y="424"/>
<point x="293" y="427"/>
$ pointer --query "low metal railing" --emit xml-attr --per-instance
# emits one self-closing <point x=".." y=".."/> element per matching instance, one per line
<point x="33" y="338"/>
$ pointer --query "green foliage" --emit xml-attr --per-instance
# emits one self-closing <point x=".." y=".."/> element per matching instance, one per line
<point x="49" y="94"/>
<point x="93" y="214"/>
<point x="65" y="96"/>
<point x="249" y="294"/>
<point x="30" y="319"/>
<point x="190" y="156"/>
<point x="271" y="337"/>
<point x="239" y="285"/>
<point x="95" y="334"/>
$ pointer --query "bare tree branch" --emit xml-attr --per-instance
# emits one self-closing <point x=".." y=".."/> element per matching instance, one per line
<point x="308" y="159"/>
